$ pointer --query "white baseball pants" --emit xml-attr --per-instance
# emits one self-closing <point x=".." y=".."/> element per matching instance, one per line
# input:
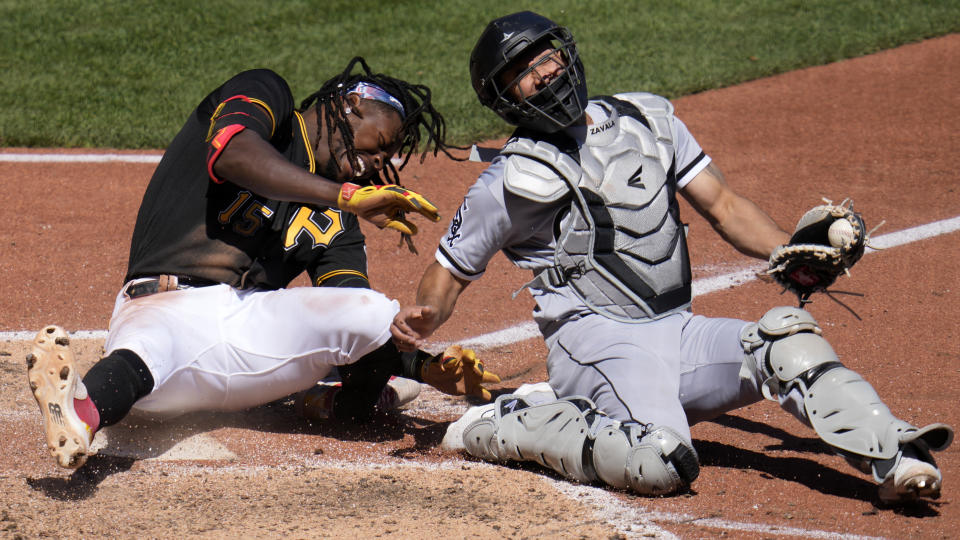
<point x="219" y="348"/>
<point x="672" y="372"/>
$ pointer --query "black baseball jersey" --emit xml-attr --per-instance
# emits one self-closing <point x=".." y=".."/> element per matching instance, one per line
<point x="192" y="223"/>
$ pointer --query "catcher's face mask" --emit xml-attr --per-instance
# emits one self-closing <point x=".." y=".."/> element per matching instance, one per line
<point x="526" y="68"/>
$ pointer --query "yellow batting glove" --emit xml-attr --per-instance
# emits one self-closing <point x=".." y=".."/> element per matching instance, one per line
<point x="457" y="372"/>
<point x="384" y="206"/>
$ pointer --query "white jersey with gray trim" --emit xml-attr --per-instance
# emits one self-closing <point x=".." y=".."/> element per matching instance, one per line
<point x="525" y="227"/>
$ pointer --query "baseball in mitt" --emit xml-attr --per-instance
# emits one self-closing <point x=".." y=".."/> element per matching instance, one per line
<point x="828" y="241"/>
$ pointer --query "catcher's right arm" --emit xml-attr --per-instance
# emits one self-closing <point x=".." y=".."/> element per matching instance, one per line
<point x="828" y="241"/>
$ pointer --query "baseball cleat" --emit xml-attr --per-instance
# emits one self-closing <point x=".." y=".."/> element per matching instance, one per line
<point x="453" y="437"/>
<point x="316" y="402"/>
<point x="52" y="372"/>
<point x="398" y="392"/>
<point x="910" y="480"/>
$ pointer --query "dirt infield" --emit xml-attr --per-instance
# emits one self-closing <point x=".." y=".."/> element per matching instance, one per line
<point x="879" y="129"/>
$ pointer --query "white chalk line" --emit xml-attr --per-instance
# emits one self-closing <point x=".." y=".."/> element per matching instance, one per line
<point x="28" y="335"/>
<point x="80" y="158"/>
<point x="636" y="521"/>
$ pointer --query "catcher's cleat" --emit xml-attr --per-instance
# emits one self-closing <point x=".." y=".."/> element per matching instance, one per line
<point x="52" y="372"/>
<point x="910" y="480"/>
<point x="453" y="437"/>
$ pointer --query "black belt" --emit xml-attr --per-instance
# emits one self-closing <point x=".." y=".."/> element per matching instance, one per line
<point x="164" y="283"/>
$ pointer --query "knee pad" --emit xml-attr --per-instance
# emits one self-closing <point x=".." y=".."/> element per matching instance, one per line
<point x="844" y="409"/>
<point x="654" y="462"/>
<point x="757" y="338"/>
<point x="575" y="439"/>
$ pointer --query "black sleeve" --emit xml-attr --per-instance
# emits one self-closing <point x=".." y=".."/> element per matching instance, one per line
<point x="344" y="263"/>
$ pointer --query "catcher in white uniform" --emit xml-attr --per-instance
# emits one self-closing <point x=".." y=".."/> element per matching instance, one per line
<point x="251" y="193"/>
<point x="584" y="195"/>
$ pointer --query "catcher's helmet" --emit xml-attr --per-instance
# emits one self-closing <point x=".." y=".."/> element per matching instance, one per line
<point x="554" y="107"/>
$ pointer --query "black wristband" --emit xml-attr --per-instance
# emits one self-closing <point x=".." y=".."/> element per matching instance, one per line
<point x="413" y="364"/>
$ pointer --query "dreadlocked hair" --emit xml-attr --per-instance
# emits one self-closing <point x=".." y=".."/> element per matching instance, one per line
<point x="416" y="104"/>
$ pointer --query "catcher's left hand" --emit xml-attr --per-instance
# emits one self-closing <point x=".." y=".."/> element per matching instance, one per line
<point x="828" y="241"/>
<point x="457" y="372"/>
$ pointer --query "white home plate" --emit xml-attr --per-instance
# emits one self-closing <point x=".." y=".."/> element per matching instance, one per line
<point x="164" y="441"/>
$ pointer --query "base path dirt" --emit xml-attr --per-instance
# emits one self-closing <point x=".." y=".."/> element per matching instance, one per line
<point x="880" y="130"/>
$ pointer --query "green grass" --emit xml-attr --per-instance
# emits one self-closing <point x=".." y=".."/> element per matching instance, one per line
<point x="124" y="74"/>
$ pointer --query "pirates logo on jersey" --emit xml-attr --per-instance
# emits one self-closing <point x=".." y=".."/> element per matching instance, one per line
<point x="246" y="216"/>
<point x="319" y="228"/>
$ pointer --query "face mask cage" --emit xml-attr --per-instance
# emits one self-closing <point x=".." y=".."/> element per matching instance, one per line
<point x="558" y="104"/>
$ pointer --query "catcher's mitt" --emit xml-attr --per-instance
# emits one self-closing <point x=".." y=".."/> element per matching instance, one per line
<point x="828" y="241"/>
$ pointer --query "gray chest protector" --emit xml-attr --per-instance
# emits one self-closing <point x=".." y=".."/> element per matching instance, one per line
<point x="621" y="247"/>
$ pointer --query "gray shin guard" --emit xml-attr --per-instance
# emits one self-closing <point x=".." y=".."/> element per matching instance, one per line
<point x="553" y="434"/>
<point x="573" y="438"/>
<point x="839" y="404"/>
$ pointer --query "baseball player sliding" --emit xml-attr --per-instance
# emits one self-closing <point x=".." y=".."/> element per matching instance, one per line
<point x="251" y="193"/>
<point x="584" y="195"/>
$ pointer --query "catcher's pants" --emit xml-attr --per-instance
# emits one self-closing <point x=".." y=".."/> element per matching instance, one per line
<point x="672" y="372"/>
<point x="219" y="348"/>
